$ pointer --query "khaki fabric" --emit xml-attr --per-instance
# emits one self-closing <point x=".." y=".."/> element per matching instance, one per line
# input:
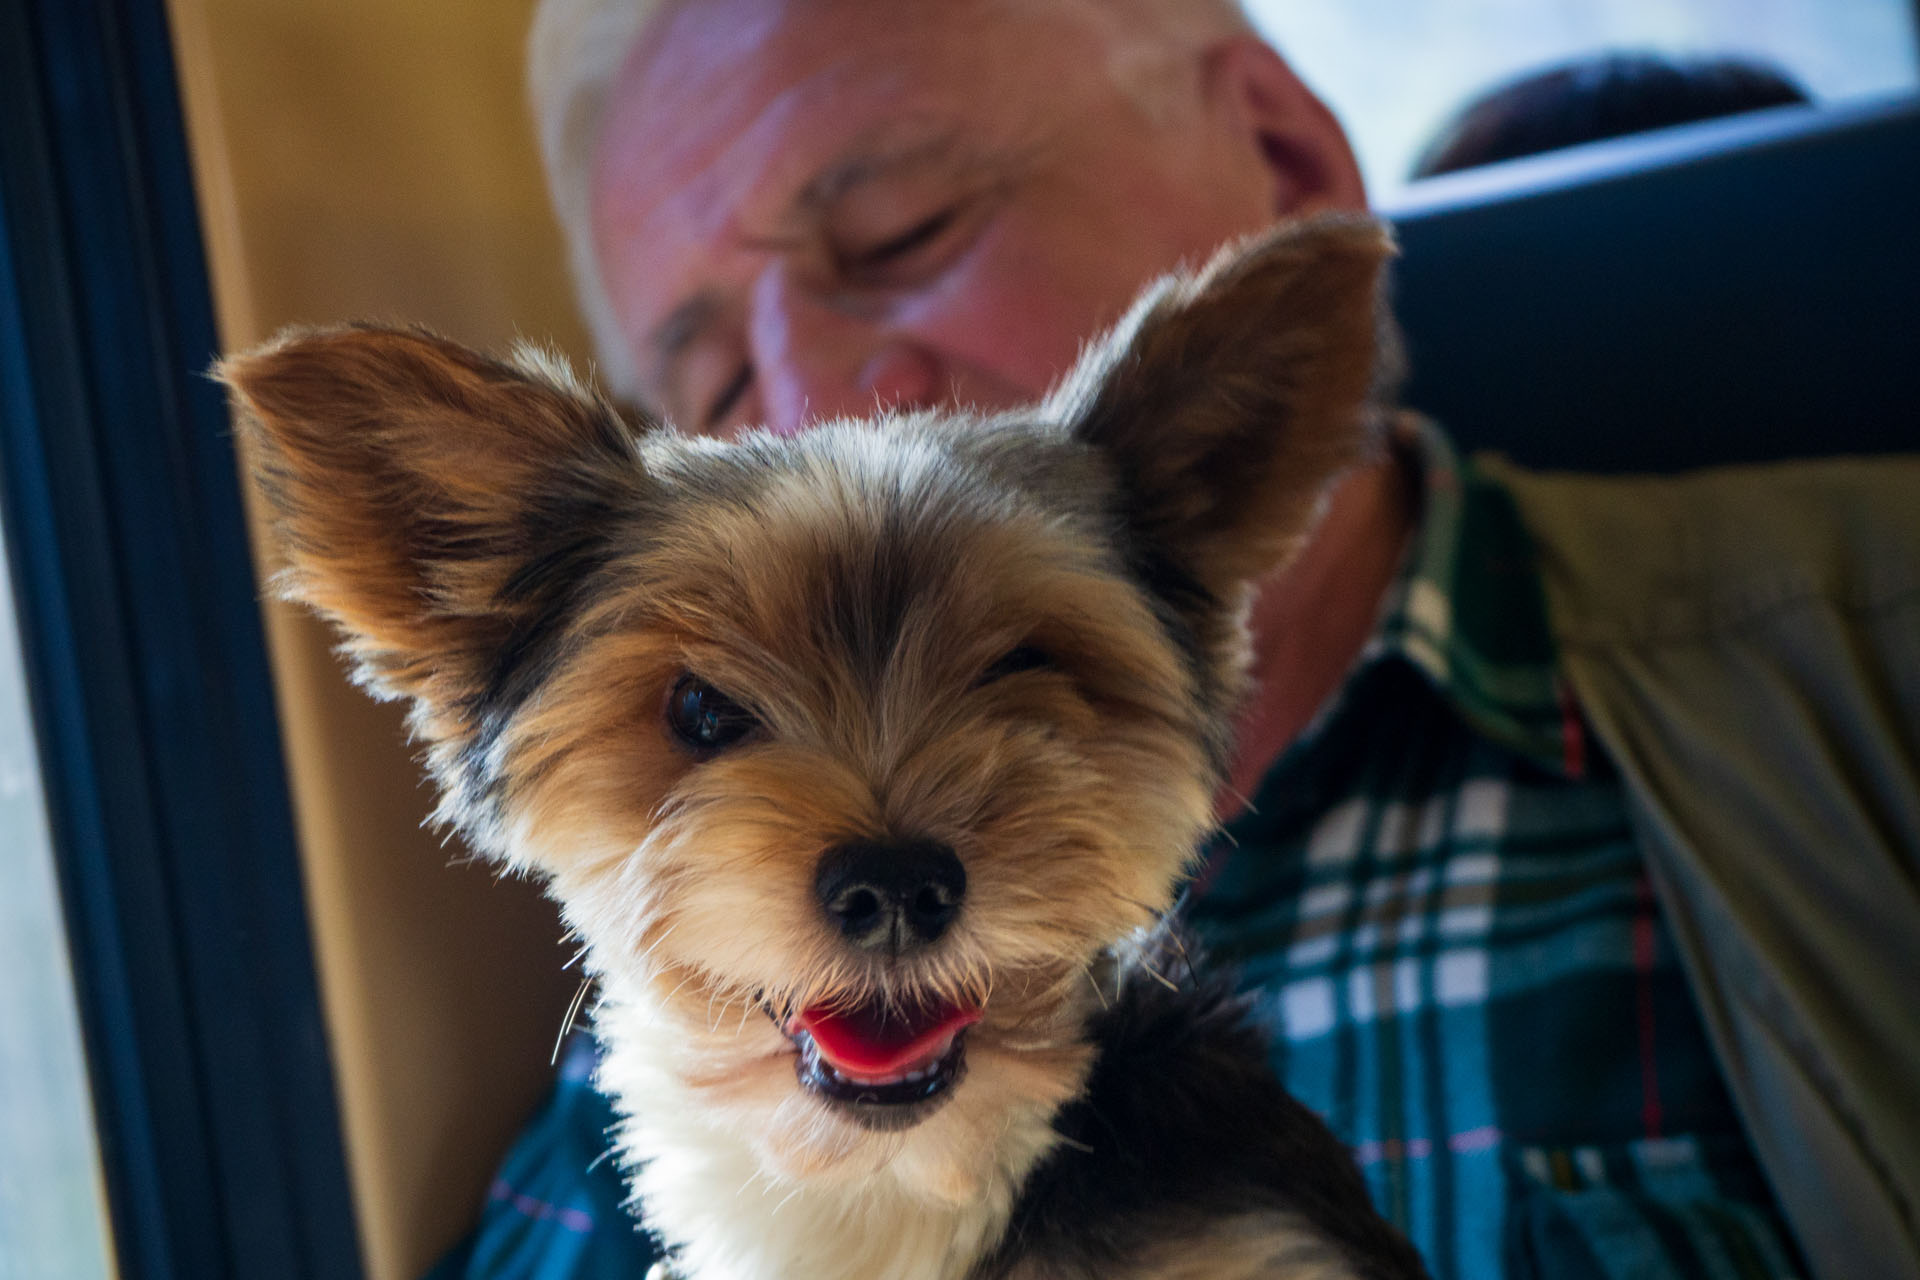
<point x="1747" y="644"/>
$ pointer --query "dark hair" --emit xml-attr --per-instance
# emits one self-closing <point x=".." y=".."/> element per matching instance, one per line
<point x="1604" y="96"/>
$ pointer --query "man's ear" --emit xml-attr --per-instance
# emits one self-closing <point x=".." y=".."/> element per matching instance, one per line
<point x="435" y="504"/>
<point x="1293" y="137"/>
<point x="1227" y="401"/>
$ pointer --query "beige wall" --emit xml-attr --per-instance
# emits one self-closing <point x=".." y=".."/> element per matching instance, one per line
<point x="372" y="159"/>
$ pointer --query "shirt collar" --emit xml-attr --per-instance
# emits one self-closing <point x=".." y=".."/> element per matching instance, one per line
<point x="1468" y="612"/>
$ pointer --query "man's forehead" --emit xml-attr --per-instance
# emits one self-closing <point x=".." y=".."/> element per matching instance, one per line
<point x="711" y="81"/>
<point x="707" y="73"/>
<point x="775" y="139"/>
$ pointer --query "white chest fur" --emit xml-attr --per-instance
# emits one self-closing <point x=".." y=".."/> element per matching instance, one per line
<point x="769" y="1186"/>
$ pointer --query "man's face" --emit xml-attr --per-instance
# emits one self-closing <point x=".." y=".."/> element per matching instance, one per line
<point x="809" y="208"/>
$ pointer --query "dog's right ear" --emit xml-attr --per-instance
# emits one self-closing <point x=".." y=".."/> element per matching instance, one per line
<point x="433" y="503"/>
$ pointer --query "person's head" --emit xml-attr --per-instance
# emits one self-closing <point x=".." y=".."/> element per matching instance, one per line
<point x="1604" y="96"/>
<point x="788" y="210"/>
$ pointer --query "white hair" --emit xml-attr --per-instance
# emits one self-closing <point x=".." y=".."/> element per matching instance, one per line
<point x="575" y="53"/>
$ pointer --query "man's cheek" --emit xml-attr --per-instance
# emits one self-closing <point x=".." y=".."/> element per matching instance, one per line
<point x="1010" y="319"/>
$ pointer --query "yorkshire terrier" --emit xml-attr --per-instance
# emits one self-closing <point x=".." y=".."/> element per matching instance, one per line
<point x="867" y="764"/>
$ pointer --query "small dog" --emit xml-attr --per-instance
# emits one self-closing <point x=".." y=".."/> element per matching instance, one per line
<point x="867" y="764"/>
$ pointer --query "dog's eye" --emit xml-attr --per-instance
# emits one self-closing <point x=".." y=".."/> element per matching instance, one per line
<point x="704" y="718"/>
<point x="1025" y="658"/>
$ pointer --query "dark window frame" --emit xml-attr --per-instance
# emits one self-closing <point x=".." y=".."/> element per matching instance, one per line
<point x="212" y="1087"/>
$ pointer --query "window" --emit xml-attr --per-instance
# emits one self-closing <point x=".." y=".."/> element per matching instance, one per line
<point x="139" y="636"/>
<point x="1394" y="70"/>
<point x="52" y="1207"/>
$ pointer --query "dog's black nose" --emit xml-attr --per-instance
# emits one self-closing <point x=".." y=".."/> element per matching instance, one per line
<point x="890" y="897"/>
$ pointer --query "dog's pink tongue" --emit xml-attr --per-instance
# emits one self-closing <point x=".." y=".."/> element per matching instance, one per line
<point x="869" y="1042"/>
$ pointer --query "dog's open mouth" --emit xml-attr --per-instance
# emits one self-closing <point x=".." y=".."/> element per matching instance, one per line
<point x="882" y="1060"/>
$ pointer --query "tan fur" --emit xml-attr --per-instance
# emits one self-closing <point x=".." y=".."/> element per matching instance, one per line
<point x="534" y="574"/>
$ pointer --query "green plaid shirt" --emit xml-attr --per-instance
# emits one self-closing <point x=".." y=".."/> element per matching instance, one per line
<point x="1437" y="898"/>
<point x="1439" y="905"/>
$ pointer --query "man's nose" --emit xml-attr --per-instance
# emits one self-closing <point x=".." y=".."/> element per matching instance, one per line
<point x="815" y="360"/>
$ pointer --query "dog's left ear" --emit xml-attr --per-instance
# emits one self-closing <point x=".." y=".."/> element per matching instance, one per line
<point x="1228" y="400"/>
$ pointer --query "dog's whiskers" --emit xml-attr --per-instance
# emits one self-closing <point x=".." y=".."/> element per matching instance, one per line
<point x="655" y="944"/>
<point x="775" y="1211"/>
<point x="1159" y="977"/>
<point x="1158" y="914"/>
<point x="566" y="1023"/>
<point x="671" y="995"/>
<point x="1094" y="982"/>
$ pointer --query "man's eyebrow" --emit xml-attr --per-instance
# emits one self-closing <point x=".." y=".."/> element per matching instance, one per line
<point x="868" y="163"/>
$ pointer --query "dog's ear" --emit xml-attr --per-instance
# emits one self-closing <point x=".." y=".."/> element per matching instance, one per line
<point x="435" y="504"/>
<point x="1229" y="399"/>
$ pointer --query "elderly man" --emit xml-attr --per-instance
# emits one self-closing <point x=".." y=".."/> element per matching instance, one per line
<point x="1436" y="871"/>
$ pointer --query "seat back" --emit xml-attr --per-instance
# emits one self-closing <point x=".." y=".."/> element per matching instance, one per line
<point x="1737" y="290"/>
